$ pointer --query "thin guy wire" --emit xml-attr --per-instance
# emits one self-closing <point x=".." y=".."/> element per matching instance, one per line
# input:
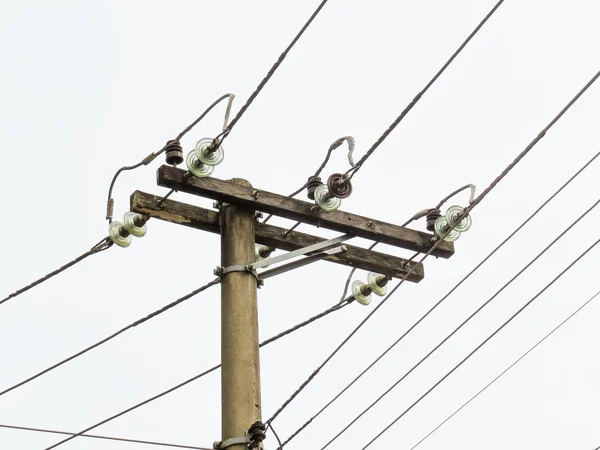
<point x="506" y="370"/>
<point x="481" y="263"/>
<point x="467" y="210"/>
<point x="112" y="336"/>
<point x="415" y="100"/>
<point x="152" y="156"/>
<point x="463" y="323"/>
<point x="194" y="378"/>
<point x="270" y="73"/>
<point x="483" y="343"/>
<point x="109" y="438"/>
<point x="99" y="247"/>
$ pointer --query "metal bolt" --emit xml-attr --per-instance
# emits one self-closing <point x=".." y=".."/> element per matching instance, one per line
<point x="255" y="193"/>
<point x="370" y="224"/>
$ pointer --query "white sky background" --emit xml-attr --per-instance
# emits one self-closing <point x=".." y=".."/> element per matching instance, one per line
<point x="91" y="86"/>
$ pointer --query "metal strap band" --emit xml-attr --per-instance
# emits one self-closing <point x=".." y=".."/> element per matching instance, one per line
<point x="231" y="441"/>
<point x="222" y="271"/>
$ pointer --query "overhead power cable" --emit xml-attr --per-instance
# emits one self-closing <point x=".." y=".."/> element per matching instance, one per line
<point x="334" y="308"/>
<point x="152" y="315"/>
<point x="112" y="336"/>
<point x="270" y="73"/>
<point x="466" y="358"/>
<point x="467" y="210"/>
<point x="462" y="324"/>
<point x="104" y="244"/>
<point x="481" y="263"/>
<point x="351" y="172"/>
<point x="108" y="438"/>
<point x="573" y="314"/>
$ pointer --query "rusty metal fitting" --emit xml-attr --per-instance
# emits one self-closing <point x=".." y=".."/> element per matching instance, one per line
<point x="311" y="185"/>
<point x="432" y="216"/>
<point x="174" y="153"/>
<point x="339" y="185"/>
<point x="257" y="434"/>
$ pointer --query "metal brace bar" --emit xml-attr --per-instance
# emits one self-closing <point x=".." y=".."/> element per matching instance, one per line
<point x="301" y="262"/>
<point x="251" y="268"/>
<point x="300" y="251"/>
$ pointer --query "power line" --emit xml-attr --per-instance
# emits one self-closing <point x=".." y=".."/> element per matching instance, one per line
<point x="506" y="370"/>
<point x="270" y="73"/>
<point x="328" y="311"/>
<point x="532" y="144"/>
<point x="481" y="263"/>
<point x="483" y="343"/>
<point x="109" y="438"/>
<point x="463" y="323"/>
<point x="351" y="172"/>
<point x="467" y="210"/>
<point x="114" y="335"/>
<point x="336" y="307"/>
<point x="104" y="244"/>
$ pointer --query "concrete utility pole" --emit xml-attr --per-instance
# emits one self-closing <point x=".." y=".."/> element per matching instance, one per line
<point x="240" y="372"/>
<point x="236" y="222"/>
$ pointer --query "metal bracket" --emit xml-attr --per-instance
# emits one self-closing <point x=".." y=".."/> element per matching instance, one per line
<point x="301" y="262"/>
<point x="323" y="249"/>
<point x="222" y="271"/>
<point x="220" y="445"/>
<point x="301" y="251"/>
<point x="231" y="441"/>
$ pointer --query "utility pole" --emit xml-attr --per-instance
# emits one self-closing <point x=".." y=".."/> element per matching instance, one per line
<point x="235" y="221"/>
<point x="240" y="371"/>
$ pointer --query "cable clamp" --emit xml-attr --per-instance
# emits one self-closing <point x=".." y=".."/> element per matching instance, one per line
<point x="252" y="440"/>
<point x="232" y="441"/>
<point x="246" y="268"/>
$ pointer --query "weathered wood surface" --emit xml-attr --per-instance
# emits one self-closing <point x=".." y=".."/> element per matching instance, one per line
<point x="299" y="210"/>
<point x="207" y="220"/>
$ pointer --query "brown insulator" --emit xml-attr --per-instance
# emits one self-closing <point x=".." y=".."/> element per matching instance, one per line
<point x="311" y="185"/>
<point x="432" y="216"/>
<point x="174" y="153"/>
<point x="339" y="185"/>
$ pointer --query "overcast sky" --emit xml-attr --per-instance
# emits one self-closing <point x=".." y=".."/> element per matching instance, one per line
<point x="91" y="86"/>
